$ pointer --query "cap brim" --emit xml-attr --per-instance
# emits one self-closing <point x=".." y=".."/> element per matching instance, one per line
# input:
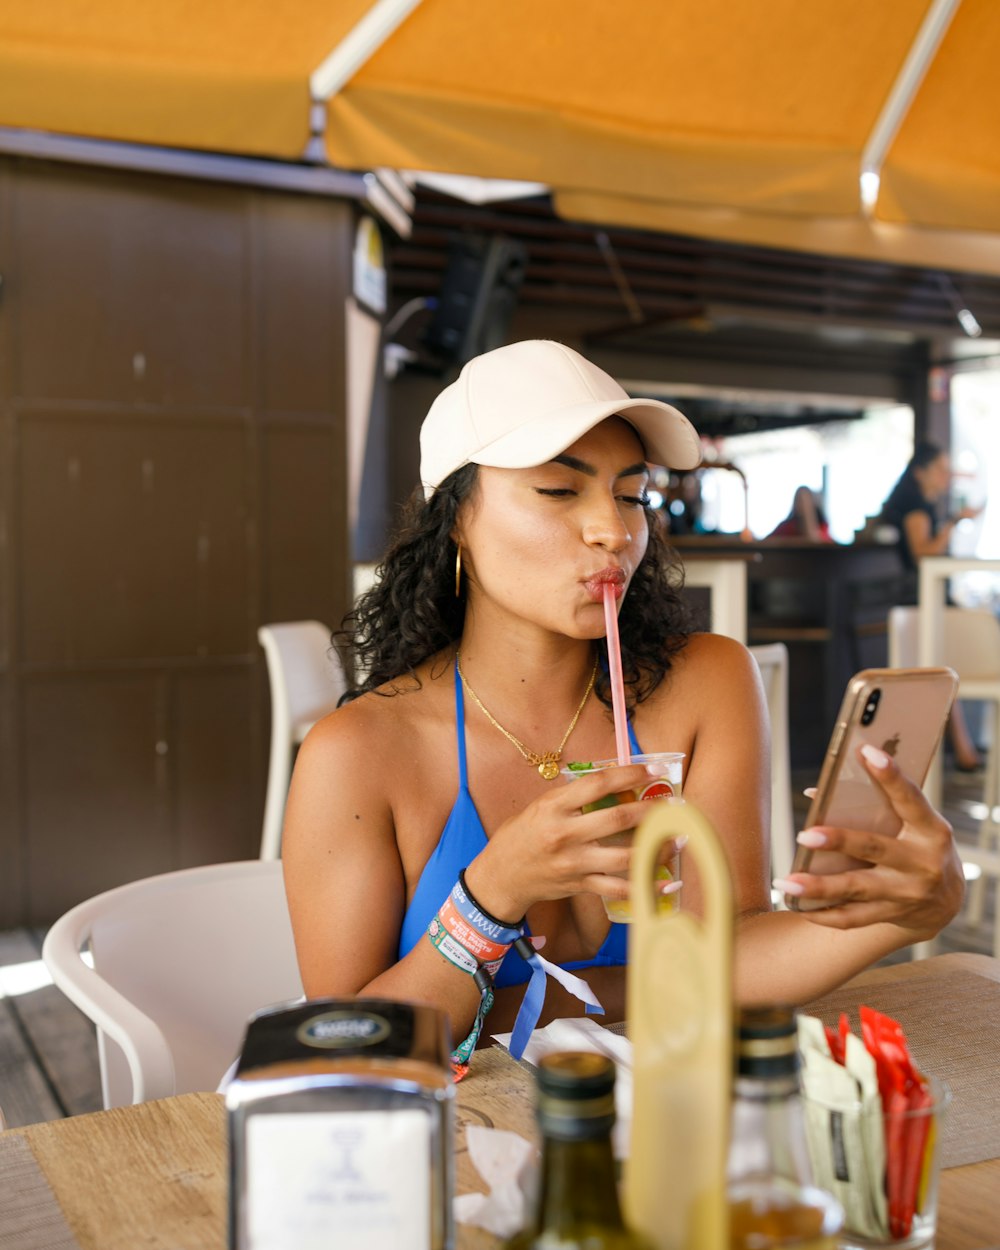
<point x="668" y="437"/>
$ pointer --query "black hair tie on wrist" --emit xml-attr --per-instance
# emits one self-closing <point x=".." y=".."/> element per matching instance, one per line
<point x="507" y="924"/>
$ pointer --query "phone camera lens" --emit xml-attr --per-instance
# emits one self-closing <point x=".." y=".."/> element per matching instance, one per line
<point x="868" y="715"/>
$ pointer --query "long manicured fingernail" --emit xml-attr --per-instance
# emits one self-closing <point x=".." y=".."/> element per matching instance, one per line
<point x="811" y="838"/>
<point x="788" y="887"/>
<point x="657" y="770"/>
<point x="670" y="887"/>
<point x="810" y="792"/>
<point x="875" y="757"/>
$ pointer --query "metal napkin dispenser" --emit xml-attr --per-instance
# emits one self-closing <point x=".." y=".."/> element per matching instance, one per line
<point x="340" y="1129"/>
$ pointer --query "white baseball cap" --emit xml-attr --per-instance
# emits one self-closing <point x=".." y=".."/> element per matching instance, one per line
<point x="522" y="404"/>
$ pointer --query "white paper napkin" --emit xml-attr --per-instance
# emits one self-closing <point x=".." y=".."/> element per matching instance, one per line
<point x="504" y="1160"/>
<point x="583" y="1033"/>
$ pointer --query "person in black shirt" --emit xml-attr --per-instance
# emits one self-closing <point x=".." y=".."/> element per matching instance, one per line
<point x="913" y="509"/>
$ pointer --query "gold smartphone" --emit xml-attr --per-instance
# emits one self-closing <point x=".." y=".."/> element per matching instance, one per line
<point x="902" y="711"/>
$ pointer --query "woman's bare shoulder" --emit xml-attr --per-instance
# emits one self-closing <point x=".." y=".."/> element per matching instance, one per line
<point x="712" y="679"/>
<point x="713" y="660"/>
<point x="362" y="759"/>
<point x="381" y="724"/>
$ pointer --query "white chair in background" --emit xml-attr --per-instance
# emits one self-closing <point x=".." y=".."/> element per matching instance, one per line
<point x="306" y="680"/>
<point x="179" y="963"/>
<point x="772" y="660"/>
<point x="971" y="646"/>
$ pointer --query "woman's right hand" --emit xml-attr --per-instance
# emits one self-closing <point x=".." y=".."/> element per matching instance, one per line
<point x="551" y="849"/>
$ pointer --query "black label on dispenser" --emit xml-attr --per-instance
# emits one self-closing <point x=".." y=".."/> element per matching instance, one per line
<point x="337" y="1030"/>
<point x="339" y="1027"/>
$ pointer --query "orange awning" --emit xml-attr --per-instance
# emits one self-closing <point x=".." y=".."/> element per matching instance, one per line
<point x="227" y="76"/>
<point x="747" y="117"/>
<point x="726" y="118"/>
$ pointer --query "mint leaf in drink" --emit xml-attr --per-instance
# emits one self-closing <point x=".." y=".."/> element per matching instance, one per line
<point x="580" y="766"/>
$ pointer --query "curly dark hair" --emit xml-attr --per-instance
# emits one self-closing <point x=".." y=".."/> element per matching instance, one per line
<point x="411" y="612"/>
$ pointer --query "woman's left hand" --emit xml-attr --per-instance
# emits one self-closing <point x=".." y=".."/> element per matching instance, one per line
<point x="915" y="880"/>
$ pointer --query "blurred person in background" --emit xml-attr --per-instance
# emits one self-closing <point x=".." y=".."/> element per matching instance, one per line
<point x="805" y="520"/>
<point x="914" y="509"/>
<point x="683" y="504"/>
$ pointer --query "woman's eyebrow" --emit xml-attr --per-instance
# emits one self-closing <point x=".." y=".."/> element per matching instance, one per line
<point x="581" y="466"/>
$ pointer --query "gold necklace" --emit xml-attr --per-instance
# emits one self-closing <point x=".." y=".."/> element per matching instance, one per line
<point x="548" y="763"/>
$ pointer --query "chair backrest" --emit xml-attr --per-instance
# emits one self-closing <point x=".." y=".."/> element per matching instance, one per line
<point x="180" y="961"/>
<point x="306" y="680"/>
<point x="971" y="642"/>
<point x="772" y="660"/>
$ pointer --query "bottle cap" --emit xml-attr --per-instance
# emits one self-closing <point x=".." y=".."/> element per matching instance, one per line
<point x="767" y="1042"/>
<point x="576" y="1094"/>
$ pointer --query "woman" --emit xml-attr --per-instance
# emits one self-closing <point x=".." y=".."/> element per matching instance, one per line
<point x="806" y="519"/>
<point x="913" y="510"/>
<point x="535" y="498"/>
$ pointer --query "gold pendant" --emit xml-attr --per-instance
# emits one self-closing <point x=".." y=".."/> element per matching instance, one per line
<point x="549" y="767"/>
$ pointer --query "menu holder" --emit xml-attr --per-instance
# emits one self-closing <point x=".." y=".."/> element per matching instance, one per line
<point x="340" y="1120"/>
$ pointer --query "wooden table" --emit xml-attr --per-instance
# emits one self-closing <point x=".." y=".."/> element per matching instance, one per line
<point x="155" y="1174"/>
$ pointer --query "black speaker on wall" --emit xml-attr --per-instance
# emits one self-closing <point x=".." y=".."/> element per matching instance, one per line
<point x="478" y="297"/>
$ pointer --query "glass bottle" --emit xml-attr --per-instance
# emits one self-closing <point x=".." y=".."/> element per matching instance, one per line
<point x="772" y="1199"/>
<point x="577" y="1202"/>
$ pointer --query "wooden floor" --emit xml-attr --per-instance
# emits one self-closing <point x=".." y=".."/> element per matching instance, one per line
<point x="48" y="1051"/>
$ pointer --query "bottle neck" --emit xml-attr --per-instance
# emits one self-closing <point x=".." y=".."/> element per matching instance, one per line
<point x="768" y="1130"/>
<point x="767" y="1088"/>
<point x="577" y="1185"/>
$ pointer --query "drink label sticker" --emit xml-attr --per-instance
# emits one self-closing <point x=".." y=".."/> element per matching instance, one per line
<point x="354" y="1180"/>
<point x="658" y="789"/>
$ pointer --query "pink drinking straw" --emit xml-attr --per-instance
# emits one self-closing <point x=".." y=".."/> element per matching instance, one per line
<point x="615" y="673"/>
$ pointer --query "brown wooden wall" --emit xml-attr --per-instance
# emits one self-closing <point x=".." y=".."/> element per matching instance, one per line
<point x="172" y="475"/>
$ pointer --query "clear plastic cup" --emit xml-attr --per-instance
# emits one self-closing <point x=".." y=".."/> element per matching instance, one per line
<point x="667" y="786"/>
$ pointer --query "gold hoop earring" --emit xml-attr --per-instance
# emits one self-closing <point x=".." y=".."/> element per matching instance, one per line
<point x="458" y="572"/>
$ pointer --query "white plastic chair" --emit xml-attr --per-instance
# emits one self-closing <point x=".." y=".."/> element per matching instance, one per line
<point x="306" y="679"/>
<point x="971" y="646"/>
<point x="180" y="961"/>
<point x="772" y="660"/>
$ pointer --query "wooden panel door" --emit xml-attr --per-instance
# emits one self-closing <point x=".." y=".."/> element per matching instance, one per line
<point x="140" y="538"/>
<point x="172" y="386"/>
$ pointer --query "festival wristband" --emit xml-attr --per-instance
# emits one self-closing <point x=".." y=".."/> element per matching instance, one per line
<point x="503" y="932"/>
<point x="534" y="996"/>
<point x="461" y="1056"/>
<point x="475" y="941"/>
<point x="482" y="947"/>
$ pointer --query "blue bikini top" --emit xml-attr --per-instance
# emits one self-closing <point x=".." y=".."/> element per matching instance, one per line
<point x="462" y="838"/>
